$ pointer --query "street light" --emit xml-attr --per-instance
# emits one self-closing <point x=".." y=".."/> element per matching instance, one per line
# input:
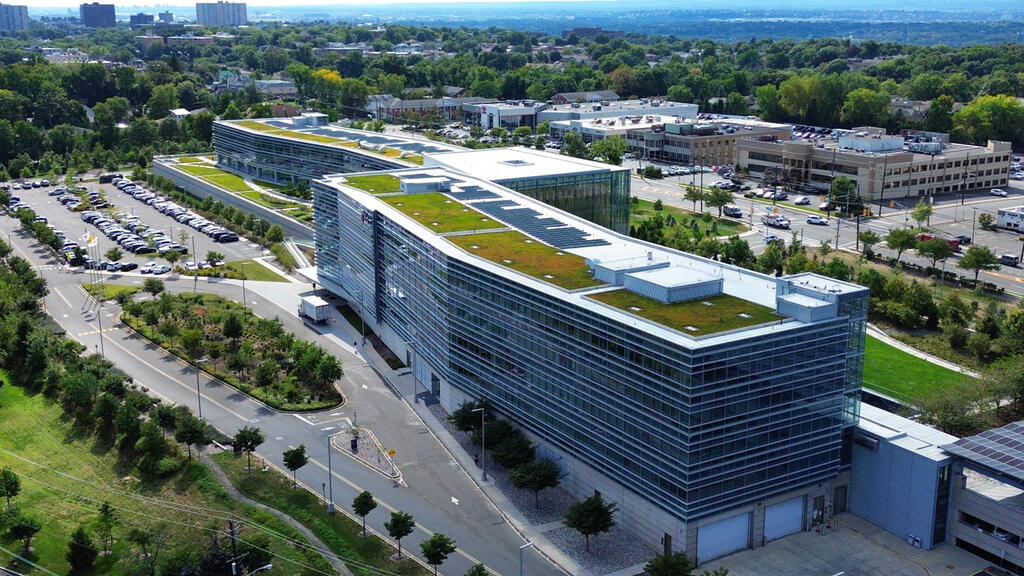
<point x="330" y="475"/>
<point x="242" y="263"/>
<point x="412" y="348"/>
<point x="521" y="548"/>
<point x="483" y="443"/>
<point x="262" y="568"/>
<point x="942" y="278"/>
<point x="974" y="220"/>
<point x="199" y="395"/>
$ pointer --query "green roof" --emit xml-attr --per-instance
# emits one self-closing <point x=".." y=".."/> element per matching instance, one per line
<point x="699" y="317"/>
<point x="441" y="214"/>
<point x="375" y="183"/>
<point x="519" y="252"/>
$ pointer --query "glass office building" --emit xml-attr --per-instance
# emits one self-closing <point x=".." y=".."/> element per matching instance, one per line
<point x="710" y="401"/>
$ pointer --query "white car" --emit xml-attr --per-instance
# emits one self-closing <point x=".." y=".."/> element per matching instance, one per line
<point x="818" y="220"/>
<point x="801" y="200"/>
<point x="148" y="267"/>
<point x="998" y="192"/>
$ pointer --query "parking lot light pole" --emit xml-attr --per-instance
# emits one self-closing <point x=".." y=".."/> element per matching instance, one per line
<point x="974" y="220"/>
<point x="483" y="444"/>
<point x="330" y="475"/>
<point x="242" y="263"/>
<point x="199" y="394"/>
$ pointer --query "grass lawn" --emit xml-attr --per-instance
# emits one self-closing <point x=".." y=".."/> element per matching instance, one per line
<point x="305" y="136"/>
<point x="375" y="183"/>
<point x="36" y="429"/>
<point x="190" y="160"/>
<point x="523" y="254"/>
<point x="439" y="213"/>
<point x="255" y="271"/>
<point x="227" y="181"/>
<point x="893" y="372"/>
<point x="268" y="200"/>
<point x="338" y="531"/>
<point x="414" y="159"/>
<point x="698" y="317"/>
<point x="109" y="291"/>
<point x="200" y="170"/>
<point x="268" y="185"/>
<point x="726" y="226"/>
<point x="253" y="125"/>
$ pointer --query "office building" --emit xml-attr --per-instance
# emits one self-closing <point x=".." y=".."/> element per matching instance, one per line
<point x="13" y="18"/>
<point x="139" y="20"/>
<point x="286" y="150"/>
<point x="221" y="14"/>
<point x="591" y="190"/>
<point x="511" y="114"/>
<point x="715" y="405"/>
<point x="97" y="15"/>
<point x="882" y="166"/>
<point x="166" y="17"/>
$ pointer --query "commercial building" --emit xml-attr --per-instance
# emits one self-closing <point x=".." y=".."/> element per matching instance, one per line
<point x="509" y="115"/>
<point x="1011" y="218"/>
<point x="140" y="19"/>
<point x="13" y="18"/>
<point x="428" y="110"/>
<point x="881" y="165"/>
<point x="221" y="14"/>
<point x="585" y="97"/>
<point x="512" y="114"/>
<point x="166" y="17"/>
<point x="591" y="190"/>
<point x="286" y="150"/>
<point x="97" y="15"/>
<point x="715" y="405"/>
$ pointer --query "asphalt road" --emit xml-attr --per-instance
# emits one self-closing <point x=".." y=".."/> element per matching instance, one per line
<point x="437" y="490"/>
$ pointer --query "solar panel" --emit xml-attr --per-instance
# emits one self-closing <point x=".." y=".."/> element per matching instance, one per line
<point x="999" y="449"/>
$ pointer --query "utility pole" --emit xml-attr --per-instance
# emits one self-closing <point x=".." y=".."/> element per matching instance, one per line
<point x="234" y="539"/>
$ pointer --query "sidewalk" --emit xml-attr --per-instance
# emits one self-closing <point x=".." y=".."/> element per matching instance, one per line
<point x="877" y="333"/>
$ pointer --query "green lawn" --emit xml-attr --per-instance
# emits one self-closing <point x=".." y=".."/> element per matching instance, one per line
<point x="190" y="160"/>
<point x="519" y="252"/>
<point x="306" y="136"/>
<point x="200" y="170"/>
<point x="269" y="201"/>
<point x="228" y="181"/>
<point x="254" y="125"/>
<point x="375" y="183"/>
<point x="645" y="210"/>
<point x="337" y="531"/>
<point x="255" y="271"/>
<point x="414" y="159"/>
<point x="895" y="373"/>
<point x="35" y="428"/>
<point x="441" y="214"/>
<point x="698" y="317"/>
<point x="110" y="291"/>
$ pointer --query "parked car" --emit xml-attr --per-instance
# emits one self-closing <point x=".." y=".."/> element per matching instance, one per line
<point x="998" y="192"/>
<point x="962" y="238"/>
<point x="128" y="266"/>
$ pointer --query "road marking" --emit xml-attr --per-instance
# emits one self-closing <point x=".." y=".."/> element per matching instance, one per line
<point x="365" y="387"/>
<point x="337" y="413"/>
<point x="455" y="500"/>
<point x="303" y="418"/>
<point x="326" y="429"/>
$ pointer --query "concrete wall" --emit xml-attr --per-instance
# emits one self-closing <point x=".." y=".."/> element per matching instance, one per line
<point x="1006" y="517"/>
<point x="201" y="189"/>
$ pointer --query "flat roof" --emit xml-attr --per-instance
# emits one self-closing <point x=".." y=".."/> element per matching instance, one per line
<point x="905" y="433"/>
<point x="510" y="164"/>
<point x="553" y="233"/>
<point x="644" y="105"/>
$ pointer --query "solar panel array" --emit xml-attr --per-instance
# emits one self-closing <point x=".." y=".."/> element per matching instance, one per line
<point x="1001" y="449"/>
<point x="472" y="192"/>
<point x="530" y="222"/>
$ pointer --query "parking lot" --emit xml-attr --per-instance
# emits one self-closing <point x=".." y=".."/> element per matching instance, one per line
<point x="70" y="222"/>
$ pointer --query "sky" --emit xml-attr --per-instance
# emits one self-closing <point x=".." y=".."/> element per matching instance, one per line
<point x="120" y="6"/>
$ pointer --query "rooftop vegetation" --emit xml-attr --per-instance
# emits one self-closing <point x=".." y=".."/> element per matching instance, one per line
<point x="441" y="214"/>
<point x="521" y="253"/>
<point x="698" y="317"/>
<point x="375" y="183"/>
<point x="254" y="125"/>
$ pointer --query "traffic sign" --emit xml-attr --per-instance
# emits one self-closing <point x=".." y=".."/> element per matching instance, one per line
<point x="391" y="453"/>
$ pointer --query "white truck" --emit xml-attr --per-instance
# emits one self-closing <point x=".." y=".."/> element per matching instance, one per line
<point x="315" y="308"/>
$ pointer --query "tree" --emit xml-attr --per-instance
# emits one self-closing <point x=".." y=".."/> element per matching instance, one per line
<point x="477" y="570"/>
<point x="693" y="194"/>
<point x="591" y="516"/>
<point x="674" y="564"/>
<point x="232" y="326"/>
<point x="737" y="251"/>
<point x="573" y="145"/>
<point x="864" y="107"/>
<point x="989" y="118"/>
<point x="362" y="505"/>
<point x="190" y="430"/>
<point x="400" y="526"/>
<point x="921" y="213"/>
<point x="869" y="238"/>
<point x="536" y="476"/>
<point x="294" y="459"/>
<point x="214" y="256"/>
<point x="247" y="440"/>
<point x="900" y="240"/>
<point x="10" y="485"/>
<point x="81" y="552"/>
<point x="935" y="249"/>
<point x="436" y="549"/>
<point x="172" y="256"/>
<point x="274" y="234"/>
<point x="114" y="254"/>
<point x="153" y="285"/>
<point x="978" y="258"/>
<point x="718" y="198"/>
<point x="843" y="192"/>
<point x="106" y="523"/>
<point x="986" y="221"/>
<point x="939" y="117"/>
<point x="610" y="149"/>
<point x="24" y="527"/>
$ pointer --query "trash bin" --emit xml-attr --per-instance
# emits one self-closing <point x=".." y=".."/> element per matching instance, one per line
<point x="355" y="445"/>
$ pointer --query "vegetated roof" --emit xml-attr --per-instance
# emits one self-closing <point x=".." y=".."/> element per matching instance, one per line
<point x="699" y="317"/>
<point x="519" y="252"/>
<point x="375" y="183"/>
<point x="440" y="214"/>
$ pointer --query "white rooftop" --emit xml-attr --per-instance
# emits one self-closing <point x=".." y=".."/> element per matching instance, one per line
<point x="507" y="164"/>
<point x="905" y="433"/>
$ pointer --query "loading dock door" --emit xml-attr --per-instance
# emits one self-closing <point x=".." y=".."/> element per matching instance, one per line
<point x="784" y="518"/>
<point x="723" y="537"/>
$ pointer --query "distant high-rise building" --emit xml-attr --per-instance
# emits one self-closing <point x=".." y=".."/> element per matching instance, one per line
<point x="166" y="16"/>
<point x="221" y="14"/>
<point x="13" y="18"/>
<point x="97" y="15"/>
<point x="140" y="19"/>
